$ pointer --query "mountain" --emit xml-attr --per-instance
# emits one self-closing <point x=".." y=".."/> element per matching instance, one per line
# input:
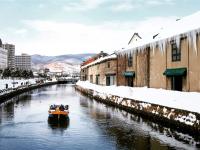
<point x="70" y="58"/>
<point x="67" y="63"/>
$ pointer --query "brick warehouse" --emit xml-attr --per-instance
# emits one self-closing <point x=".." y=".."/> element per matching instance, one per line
<point x="169" y="60"/>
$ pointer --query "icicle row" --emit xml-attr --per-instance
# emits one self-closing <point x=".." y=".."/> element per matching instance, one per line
<point x="191" y="36"/>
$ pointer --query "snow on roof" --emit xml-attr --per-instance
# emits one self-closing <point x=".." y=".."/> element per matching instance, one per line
<point x="112" y="56"/>
<point x="188" y="26"/>
<point x="180" y="26"/>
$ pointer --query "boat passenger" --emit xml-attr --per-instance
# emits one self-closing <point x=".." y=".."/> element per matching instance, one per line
<point x="61" y="107"/>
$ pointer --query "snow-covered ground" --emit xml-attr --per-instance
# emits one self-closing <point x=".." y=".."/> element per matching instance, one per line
<point x="17" y="82"/>
<point x="181" y="100"/>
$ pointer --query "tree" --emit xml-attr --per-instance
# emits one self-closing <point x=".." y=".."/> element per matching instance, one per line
<point x="7" y="72"/>
<point x="31" y="74"/>
<point x="25" y="74"/>
<point x="17" y="73"/>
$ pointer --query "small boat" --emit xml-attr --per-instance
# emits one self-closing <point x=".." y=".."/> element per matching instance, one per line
<point x="58" y="112"/>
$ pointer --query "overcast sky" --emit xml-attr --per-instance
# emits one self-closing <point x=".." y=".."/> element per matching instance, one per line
<point x="55" y="27"/>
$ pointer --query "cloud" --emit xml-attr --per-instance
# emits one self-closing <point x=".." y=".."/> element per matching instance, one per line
<point x="83" y="5"/>
<point x="124" y="6"/>
<point x="159" y="2"/>
<point x="21" y="31"/>
<point x="130" y="5"/>
<point x="64" y="37"/>
<point x="41" y="5"/>
<point x="54" y="38"/>
<point x="113" y="5"/>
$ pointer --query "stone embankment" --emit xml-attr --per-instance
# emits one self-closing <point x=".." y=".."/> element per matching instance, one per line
<point x="182" y="120"/>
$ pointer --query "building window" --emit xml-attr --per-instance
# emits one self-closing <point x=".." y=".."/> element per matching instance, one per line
<point x="97" y="79"/>
<point x="108" y="64"/>
<point x="176" y="52"/>
<point x="110" y="80"/>
<point x="91" y="78"/>
<point x="130" y="61"/>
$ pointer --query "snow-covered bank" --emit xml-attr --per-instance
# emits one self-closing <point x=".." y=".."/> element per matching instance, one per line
<point x="179" y="110"/>
<point x="15" y="83"/>
<point x="8" y="93"/>
<point x="189" y="101"/>
<point x="18" y="82"/>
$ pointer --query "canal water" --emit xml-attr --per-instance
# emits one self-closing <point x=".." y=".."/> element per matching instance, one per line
<point x="91" y="126"/>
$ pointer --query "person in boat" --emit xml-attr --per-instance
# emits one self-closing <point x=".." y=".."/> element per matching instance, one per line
<point x="66" y="107"/>
<point x="62" y="108"/>
<point x="53" y="107"/>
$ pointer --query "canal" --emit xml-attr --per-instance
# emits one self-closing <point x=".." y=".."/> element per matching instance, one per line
<point x="91" y="126"/>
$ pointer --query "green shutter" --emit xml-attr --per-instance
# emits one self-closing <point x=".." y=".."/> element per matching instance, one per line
<point x="175" y="72"/>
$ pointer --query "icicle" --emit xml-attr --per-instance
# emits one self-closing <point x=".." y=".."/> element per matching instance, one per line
<point x="198" y="42"/>
<point x="177" y="40"/>
<point x="194" y="41"/>
<point x="164" y="46"/>
<point x="153" y="49"/>
<point x="160" y="46"/>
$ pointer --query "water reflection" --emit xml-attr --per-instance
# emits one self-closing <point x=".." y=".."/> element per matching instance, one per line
<point x="133" y="132"/>
<point x="58" y="126"/>
<point x="92" y="125"/>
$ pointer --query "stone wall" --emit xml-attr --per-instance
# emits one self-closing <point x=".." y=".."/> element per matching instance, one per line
<point x="180" y="119"/>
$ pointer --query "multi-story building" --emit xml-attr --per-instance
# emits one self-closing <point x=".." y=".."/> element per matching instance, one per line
<point x="23" y="62"/>
<point x="101" y="71"/>
<point x="3" y="57"/>
<point x="11" y="54"/>
<point x="169" y="60"/>
<point x="84" y="70"/>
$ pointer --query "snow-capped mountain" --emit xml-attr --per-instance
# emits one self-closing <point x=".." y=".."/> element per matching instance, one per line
<point x="66" y="63"/>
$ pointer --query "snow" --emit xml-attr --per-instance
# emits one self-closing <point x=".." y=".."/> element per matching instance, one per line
<point x="189" y="120"/>
<point x="18" y="82"/>
<point x="62" y="67"/>
<point x="113" y="56"/>
<point x="186" y="27"/>
<point x="189" y="101"/>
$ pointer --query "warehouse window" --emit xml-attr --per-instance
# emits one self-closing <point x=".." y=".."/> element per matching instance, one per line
<point x="176" y="52"/>
<point x="130" y="61"/>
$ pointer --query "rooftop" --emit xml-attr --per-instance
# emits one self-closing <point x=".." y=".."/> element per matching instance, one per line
<point x="188" y="26"/>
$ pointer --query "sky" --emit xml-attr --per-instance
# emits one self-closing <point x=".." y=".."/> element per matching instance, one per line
<point x="58" y="27"/>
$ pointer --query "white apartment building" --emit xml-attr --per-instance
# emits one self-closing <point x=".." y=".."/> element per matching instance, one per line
<point x="23" y="62"/>
<point x="3" y="58"/>
<point x="11" y="54"/>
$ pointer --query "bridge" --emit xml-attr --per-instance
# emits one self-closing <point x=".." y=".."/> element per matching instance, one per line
<point x="68" y="80"/>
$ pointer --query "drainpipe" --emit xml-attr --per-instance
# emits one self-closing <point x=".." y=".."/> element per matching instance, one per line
<point x="148" y="61"/>
<point x="125" y="70"/>
<point x="136" y="68"/>
<point x="188" y="74"/>
<point x="166" y="64"/>
<point x="117" y="70"/>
